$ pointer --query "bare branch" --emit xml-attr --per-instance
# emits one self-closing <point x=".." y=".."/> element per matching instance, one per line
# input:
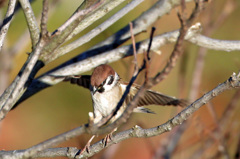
<point x="44" y="19"/>
<point x="224" y="122"/>
<point x="31" y="21"/>
<point x="7" y="55"/>
<point x="25" y="76"/>
<point x="91" y="18"/>
<point x="81" y="11"/>
<point x="134" y="46"/>
<point x="93" y="33"/>
<point x="6" y="22"/>
<point x="19" y="84"/>
<point x="44" y="145"/>
<point x="178" y="48"/>
<point x="141" y="23"/>
<point x="59" y="37"/>
<point x="208" y="31"/>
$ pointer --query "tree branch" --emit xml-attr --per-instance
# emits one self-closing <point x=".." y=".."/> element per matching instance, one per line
<point x="19" y="83"/>
<point x="60" y="36"/>
<point x="82" y="10"/>
<point x="26" y="74"/>
<point x="140" y="24"/>
<point x="31" y="21"/>
<point x="6" y="22"/>
<point x="93" y="17"/>
<point x="96" y="31"/>
<point x="232" y="82"/>
<point x="44" y="19"/>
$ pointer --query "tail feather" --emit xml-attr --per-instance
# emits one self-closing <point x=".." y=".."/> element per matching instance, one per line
<point x="143" y="110"/>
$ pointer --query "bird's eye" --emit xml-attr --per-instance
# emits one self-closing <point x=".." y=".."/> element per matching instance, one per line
<point x="111" y="80"/>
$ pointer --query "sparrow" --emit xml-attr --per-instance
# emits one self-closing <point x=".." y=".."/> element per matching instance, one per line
<point x="107" y="88"/>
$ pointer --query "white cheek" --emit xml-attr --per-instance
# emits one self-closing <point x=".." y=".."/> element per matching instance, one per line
<point x="108" y="87"/>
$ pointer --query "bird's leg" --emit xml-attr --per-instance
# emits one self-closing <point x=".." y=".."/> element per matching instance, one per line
<point x="108" y="137"/>
<point x="86" y="147"/>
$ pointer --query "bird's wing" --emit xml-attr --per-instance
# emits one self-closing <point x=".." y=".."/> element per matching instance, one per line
<point x="155" y="98"/>
<point x="81" y="80"/>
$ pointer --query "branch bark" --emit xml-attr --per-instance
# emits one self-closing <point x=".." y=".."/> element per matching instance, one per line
<point x="96" y="31"/>
<point x="19" y="84"/>
<point x="31" y="21"/>
<point x="7" y="21"/>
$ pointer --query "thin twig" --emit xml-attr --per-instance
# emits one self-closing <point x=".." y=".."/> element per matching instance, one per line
<point x="140" y="24"/>
<point x="7" y="21"/>
<point x="31" y="21"/>
<point x="59" y="37"/>
<point x="178" y="48"/>
<point x="96" y="31"/>
<point x="82" y="10"/>
<point x="147" y="55"/>
<point x="177" y="52"/>
<point x="108" y="5"/>
<point x="44" y="19"/>
<point x="208" y="31"/>
<point x="134" y="47"/>
<point x="5" y="58"/>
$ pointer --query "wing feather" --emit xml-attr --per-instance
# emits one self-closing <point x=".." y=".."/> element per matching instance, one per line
<point x="81" y="80"/>
<point x="155" y="98"/>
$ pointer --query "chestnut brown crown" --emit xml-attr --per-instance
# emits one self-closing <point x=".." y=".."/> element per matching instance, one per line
<point x="100" y="74"/>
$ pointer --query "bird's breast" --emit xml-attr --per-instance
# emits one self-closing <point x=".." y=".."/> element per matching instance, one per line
<point x="105" y="102"/>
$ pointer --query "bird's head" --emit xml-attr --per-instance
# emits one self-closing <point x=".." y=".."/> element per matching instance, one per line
<point x="103" y="79"/>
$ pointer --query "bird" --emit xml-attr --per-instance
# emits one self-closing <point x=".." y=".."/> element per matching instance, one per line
<point x="107" y="88"/>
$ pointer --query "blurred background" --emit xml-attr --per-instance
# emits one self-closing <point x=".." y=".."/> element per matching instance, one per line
<point x="63" y="107"/>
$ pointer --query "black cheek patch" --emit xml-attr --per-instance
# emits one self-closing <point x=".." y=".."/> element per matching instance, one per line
<point x="100" y="90"/>
<point x="111" y="80"/>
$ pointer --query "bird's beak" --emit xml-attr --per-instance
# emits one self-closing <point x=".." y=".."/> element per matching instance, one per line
<point x="94" y="90"/>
